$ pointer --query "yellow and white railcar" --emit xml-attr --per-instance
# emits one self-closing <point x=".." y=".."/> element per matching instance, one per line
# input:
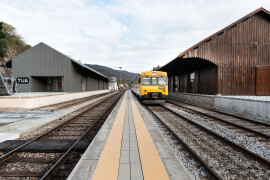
<point x="152" y="86"/>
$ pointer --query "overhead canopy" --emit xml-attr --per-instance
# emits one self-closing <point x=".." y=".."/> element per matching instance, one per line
<point x="182" y="65"/>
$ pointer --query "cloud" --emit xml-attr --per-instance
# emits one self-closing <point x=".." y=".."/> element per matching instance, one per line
<point x="136" y="35"/>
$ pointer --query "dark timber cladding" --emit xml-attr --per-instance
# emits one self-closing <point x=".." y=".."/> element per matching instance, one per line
<point x="49" y="70"/>
<point x="241" y="52"/>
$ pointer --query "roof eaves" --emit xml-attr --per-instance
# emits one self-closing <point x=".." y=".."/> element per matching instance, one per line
<point x="227" y="27"/>
<point x="219" y="32"/>
<point x="73" y="60"/>
<point x="86" y="67"/>
<point x="77" y="62"/>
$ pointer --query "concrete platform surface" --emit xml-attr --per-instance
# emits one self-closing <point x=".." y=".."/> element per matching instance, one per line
<point x="34" y="94"/>
<point x="14" y="116"/>
<point x="130" y="166"/>
<point x="41" y="99"/>
<point x="252" y="107"/>
<point x="21" y="122"/>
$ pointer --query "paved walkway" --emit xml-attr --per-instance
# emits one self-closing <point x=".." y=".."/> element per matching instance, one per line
<point x="128" y="147"/>
<point x="130" y="164"/>
<point x="138" y="159"/>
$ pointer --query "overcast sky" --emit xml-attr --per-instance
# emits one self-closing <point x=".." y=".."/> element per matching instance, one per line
<point x="133" y="34"/>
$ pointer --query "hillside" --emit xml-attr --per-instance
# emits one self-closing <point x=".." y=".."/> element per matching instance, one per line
<point x="11" y="44"/>
<point x="109" y="72"/>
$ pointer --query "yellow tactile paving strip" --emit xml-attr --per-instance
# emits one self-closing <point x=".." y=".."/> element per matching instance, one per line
<point x="152" y="166"/>
<point x="108" y="165"/>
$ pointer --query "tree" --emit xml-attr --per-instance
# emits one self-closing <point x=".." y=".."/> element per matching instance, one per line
<point x="155" y="68"/>
<point x="3" y="42"/>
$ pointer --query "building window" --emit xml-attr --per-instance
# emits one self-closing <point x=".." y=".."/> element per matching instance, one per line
<point x="176" y="81"/>
<point x="83" y="84"/>
<point x="54" y="84"/>
<point x="171" y="83"/>
<point x="191" y="82"/>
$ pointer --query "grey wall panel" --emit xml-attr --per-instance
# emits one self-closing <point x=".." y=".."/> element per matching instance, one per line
<point x="92" y="84"/>
<point x="100" y="84"/>
<point x="74" y="80"/>
<point x="44" y="61"/>
<point x="41" y="61"/>
<point x="24" y="87"/>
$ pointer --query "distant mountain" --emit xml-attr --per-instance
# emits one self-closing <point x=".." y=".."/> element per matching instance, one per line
<point x="109" y="72"/>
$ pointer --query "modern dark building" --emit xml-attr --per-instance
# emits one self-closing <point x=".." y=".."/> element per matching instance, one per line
<point x="48" y="70"/>
<point x="233" y="61"/>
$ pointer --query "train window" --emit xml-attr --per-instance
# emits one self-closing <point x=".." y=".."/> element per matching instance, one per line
<point x="154" y="81"/>
<point x="146" y="81"/>
<point x="162" y="80"/>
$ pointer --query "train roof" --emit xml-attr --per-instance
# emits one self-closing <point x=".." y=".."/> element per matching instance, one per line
<point x="154" y="73"/>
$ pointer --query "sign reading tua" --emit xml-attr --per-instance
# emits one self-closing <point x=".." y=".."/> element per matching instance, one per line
<point x="22" y="80"/>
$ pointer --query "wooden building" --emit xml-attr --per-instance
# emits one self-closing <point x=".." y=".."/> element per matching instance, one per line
<point x="233" y="61"/>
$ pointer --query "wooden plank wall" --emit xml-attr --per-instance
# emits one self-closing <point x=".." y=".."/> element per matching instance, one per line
<point x="237" y="51"/>
<point x="263" y="80"/>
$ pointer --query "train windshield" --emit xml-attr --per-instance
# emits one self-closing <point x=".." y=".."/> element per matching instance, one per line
<point x="162" y="80"/>
<point x="154" y="80"/>
<point x="146" y="81"/>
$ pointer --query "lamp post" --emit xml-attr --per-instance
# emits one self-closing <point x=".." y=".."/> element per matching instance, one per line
<point x="120" y="74"/>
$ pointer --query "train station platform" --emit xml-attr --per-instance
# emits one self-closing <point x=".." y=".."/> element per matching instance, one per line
<point x="14" y="124"/>
<point x="254" y="107"/>
<point x="41" y="99"/>
<point x="129" y="146"/>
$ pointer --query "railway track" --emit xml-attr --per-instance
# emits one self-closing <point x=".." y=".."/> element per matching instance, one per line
<point x="237" y="130"/>
<point x="220" y="157"/>
<point x="53" y="154"/>
<point x="259" y="129"/>
<point x="70" y="103"/>
<point x="61" y="105"/>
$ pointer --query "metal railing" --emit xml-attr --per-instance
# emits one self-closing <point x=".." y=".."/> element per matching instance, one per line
<point x="8" y="85"/>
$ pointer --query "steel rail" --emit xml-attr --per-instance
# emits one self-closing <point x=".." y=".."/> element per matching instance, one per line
<point x="6" y="155"/>
<point x="205" y="166"/>
<point x="219" y="119"/>
<point x="198" y="158"/>
<point x="226" y="113"/>
<point x="72" y="102"/>
<point x="237" y="146"/>
<point x="61" y="160"/>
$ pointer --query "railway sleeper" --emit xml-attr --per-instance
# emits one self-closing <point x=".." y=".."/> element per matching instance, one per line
<point x="44" y="145"/>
